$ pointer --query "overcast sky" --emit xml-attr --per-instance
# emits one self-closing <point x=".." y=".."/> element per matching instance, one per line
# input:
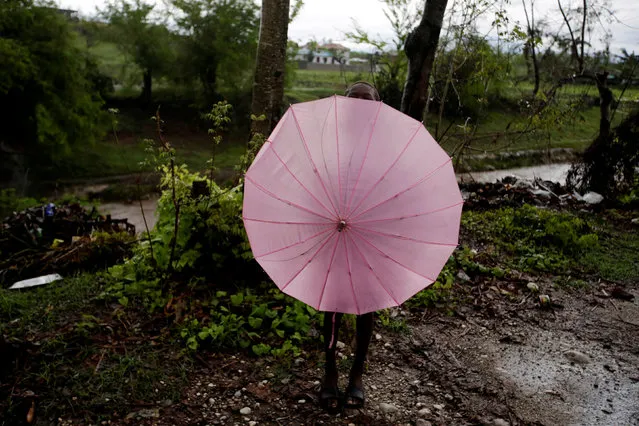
<point x="329" y="19"/>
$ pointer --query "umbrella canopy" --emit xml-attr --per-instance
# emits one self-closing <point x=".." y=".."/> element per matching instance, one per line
<point x="351" y="206"/>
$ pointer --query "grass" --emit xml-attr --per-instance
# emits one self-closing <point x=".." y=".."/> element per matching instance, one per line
<point x="80" y="355"/>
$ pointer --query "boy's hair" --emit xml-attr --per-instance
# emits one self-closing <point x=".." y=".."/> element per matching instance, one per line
<point x="362" y="83"/>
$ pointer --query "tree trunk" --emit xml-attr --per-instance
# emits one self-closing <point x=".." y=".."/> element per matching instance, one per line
<point x="420" y="48"/>
<point x="268" y="86"/>
<point x="147" y="89"/>
<point x="605" y="102"/>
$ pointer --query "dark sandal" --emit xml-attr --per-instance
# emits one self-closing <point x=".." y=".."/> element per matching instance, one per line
<point x="354" y="397"/>
<point x="331" y="400"/>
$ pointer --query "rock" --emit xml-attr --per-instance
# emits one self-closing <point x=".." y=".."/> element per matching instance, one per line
<point x="577" y="357"/>
<point x="449" y="397"/>
<point x="252" y="423"/>
<point x="592" y="198"/>
<point x="211" y="401"/>
<point x="299" y="361"/>
<point x="238" y="394"/>
<point x="424" y="412"/>
<point x="463" y="276"/>
<point x="285" y="381"/>
<point x="378" y="336"/>
<point x="245" y="411"/>
<point x="438" y="406"/>
<point x="635" y="221"/>
<point x="500" y="422"/>
<point x="541" y="193"/>
<point x="340" y="345"/>
<point x="533" y="287"/>
<point x="301" y="401"/>
<point x="388" y="408"/>
<point x="422" y="422"/>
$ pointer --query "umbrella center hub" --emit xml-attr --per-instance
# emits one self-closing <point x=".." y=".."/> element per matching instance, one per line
<point x="341" y="225"/>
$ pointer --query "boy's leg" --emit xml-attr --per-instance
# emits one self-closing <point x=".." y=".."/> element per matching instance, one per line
<point x="332" y="322"/>
<point x="364" y="334"/>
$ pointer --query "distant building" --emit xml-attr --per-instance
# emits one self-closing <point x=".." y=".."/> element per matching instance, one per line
<point x="327" y="54"/>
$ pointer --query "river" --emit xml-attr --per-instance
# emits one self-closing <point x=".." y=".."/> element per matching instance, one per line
<point x="551" y="172"/>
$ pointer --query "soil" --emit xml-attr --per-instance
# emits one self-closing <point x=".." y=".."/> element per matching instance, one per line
<point x="501" y="359"/>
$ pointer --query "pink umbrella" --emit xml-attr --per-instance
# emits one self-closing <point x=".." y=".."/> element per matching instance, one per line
<point x="351" y="206"/>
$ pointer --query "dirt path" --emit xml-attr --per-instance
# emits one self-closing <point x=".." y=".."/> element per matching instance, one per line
<point x="500" y="361"/>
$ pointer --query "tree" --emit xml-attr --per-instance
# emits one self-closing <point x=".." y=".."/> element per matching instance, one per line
<point x="532" y="40"/>
<point x="219" y="39"/>
<point x="146" y="41"/>
<point x="48" y="97"/>
<point x="268" y="85"/>
<point x="420" y="48"/>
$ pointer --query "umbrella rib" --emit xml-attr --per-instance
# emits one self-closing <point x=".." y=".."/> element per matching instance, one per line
<point x="387" y="170"/>
<point x="419" y="182"/>
<point x="290" y="203"/>
<point x="293" y="245"/>
<point x="389" y="257"/>
<point x="350" y="277"/>
<point x="308" y="153"/>
<point x="368" y="145"/>
<point x="373" y="271"/>
<point x="402" y="237"/>
<point x="277" y="222"/>
<point x="298" y="181"/>
<point x="330" y="265"/>
<point x="410" y="216"/>
<point x="307" y="263"/>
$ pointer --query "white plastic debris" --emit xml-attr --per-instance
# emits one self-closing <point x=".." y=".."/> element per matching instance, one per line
<point x="33" y="282"/>
<point x="593" y="198"/>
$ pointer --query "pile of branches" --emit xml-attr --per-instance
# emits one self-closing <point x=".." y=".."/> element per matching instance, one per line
<point x="611" y="164"/>
<point x="64" y="240"/>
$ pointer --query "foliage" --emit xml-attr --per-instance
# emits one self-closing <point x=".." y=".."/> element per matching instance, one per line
<point x="146" y="41"/>
<point x="49" y="99"/>
<point x="11" y="202"/>
<point x="265" y="321"/>
<point x="219" y="41"/>
<point x="534" y="239"/>
<point x="611" y="165"/>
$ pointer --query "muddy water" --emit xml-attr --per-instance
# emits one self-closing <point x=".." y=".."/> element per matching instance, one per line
<point x="552" y="172"/>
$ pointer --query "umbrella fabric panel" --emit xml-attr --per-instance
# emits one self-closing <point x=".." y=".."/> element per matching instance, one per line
<point x="437" y="227"/>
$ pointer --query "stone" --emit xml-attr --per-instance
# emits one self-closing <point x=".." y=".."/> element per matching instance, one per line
<point x="500" y="422"/>
<point x="463" y="276"/>
<point x="533" y="287"/>
<point x="301" y="401"/>
<point x="252" y="423"/>
<point x="340" y="345"/>
<point x="577" y="357"/>
<point x="211" y="401"/>
<point x="635" y="221"/>
<point x="378" y="336"/>
<point x="285" y="381"/>
<point x="299" y="361"/>
<point x="245" y="411"/>
<point x="238" y="394"/>
<point x="424" y="412"/>
<point x="422" y="422"/>
<point x="438" y="406"/>
<point x="388" y="408"/>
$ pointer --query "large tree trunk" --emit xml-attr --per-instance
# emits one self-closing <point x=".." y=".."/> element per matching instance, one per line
<point x="147" y="88"/>
<point x="268" y="86"/>
<point x="420" y="48"/>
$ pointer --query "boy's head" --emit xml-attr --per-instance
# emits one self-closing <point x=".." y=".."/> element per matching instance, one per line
<point x="362" y="90"/>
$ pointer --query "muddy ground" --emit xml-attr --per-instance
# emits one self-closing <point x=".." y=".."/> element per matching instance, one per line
<point x="498" y="360"/>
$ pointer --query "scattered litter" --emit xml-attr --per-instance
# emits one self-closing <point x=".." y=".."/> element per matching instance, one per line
<point x="593" y="198"/>
<point x="45" y="279"/>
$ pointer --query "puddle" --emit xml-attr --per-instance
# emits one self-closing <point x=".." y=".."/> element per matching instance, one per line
<point x="552" y="388"/>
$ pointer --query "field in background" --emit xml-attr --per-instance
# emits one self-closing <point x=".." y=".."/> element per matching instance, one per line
<point x="194" y="146"/>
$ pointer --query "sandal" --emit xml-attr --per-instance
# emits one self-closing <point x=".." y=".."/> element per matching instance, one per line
<point x="354" y="397"/>
<point x="331" y="400"/>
